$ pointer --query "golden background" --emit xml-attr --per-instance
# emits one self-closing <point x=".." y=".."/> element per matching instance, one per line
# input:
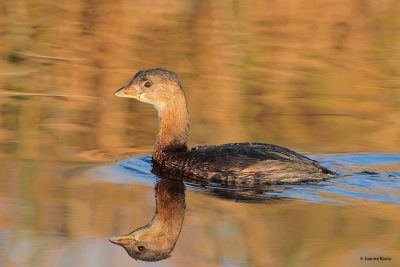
<point x="315" y="76"/>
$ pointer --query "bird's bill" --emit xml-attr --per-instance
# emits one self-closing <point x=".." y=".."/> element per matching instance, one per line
<point x="122" y="240"/>
<point x="128" y="91"/>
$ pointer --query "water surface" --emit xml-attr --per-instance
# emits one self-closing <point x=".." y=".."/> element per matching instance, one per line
<point x="320" y="78"/>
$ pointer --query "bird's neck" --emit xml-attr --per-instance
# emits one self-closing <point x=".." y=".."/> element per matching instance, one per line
<point x="168" y="218"/>
<point x="170" y="205"/>
<point x="173" y="128"/>
<point x="166" y="225"/>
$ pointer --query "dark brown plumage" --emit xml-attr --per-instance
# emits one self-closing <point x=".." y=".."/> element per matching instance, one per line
<point x="246" y="164"/>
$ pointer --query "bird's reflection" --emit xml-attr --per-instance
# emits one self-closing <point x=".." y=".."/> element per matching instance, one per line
<point x="156" y="240"/>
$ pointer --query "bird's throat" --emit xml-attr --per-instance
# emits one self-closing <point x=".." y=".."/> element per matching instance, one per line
<point x="173" y="129"/>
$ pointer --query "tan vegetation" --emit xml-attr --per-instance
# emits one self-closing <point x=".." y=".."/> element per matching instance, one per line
<point x="318" y="76"/>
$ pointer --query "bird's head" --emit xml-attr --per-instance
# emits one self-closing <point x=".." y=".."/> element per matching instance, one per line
<point x="158" y="87"/>
<point x="146" y="244"/>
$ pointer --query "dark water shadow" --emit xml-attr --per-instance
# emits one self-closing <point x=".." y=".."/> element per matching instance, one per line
<point x="247" y="194"/>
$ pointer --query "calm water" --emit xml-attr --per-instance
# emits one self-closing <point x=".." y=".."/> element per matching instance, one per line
<point x="322" y="78"/>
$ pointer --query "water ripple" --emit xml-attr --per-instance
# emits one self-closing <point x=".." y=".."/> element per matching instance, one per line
<point x="363" y="178"/>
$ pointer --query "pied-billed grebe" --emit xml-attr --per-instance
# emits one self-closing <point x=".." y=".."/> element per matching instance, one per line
<point x="248" y="164"/>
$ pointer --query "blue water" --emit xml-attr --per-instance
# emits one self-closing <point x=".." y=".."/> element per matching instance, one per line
<point x="363" y="178"/>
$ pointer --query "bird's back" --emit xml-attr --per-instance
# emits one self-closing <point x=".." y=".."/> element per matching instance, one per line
<point x="247" y="164"/>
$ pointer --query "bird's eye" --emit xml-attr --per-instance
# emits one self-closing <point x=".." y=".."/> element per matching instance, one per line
<point x="147" y="84"/>
<point x="141" y="248"/>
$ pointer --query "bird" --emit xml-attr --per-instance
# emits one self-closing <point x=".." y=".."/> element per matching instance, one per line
<point x="248" y="164"/>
